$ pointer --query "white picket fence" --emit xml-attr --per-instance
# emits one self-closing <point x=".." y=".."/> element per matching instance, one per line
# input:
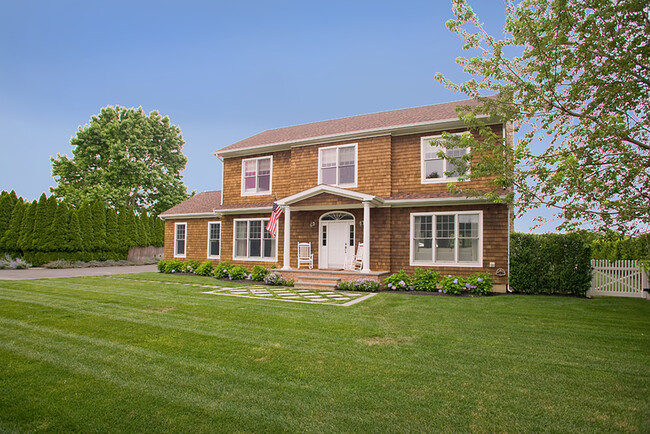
<point x="618" y="279"/>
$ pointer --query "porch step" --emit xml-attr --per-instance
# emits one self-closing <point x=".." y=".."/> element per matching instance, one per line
<point x="327" y="278"/>
<point x="314" y="285"/>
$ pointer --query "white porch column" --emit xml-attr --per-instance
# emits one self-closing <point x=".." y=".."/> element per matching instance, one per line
<point x="366" y="238"/>
<point x="287" y="238"/>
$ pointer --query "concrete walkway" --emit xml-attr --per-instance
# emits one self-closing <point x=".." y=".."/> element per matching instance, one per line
<point x="47" y="273"/>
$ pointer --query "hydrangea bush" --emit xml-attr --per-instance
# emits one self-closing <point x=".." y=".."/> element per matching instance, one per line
<point x="399" y="281"/>
<point x="452" y="284"/>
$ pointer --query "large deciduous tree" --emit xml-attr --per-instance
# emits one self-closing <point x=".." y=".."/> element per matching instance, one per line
<point x="124" y="157"/>
<point x="576" y="73"/>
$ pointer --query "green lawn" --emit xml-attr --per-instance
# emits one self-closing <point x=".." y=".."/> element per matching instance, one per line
<point x="127" y="354"/>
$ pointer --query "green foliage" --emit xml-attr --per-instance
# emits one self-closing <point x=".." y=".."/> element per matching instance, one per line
<point x="452" y="285"/>
<point x="113" y="240"/>
<point x="86" y="227"/>
<point x="425" y="279"/>
<point x="98" y="215"/>
<point x="238" y="272"/>
<point x="222" y="270"/>
<point x="615" y="246"/>
<point x="191" y="265"/>
<point x="399" y="281"/>
<point x="205" y="269"/>
<point x="59" y="230"/>
<point x="578" y="75"/>
<point x="259" y="273"/>
<point x="174" y="266"/>
<point x="9" y="242"/>
<point x="43" y="222"/>
<point x="75" y="241"/>
<point x="549" y="264"/>
<point x="358" y="285"/>
<point x="27" y="227"/>
<point x="479" y="283"/>
<point x="124" y="158"/>
<point x="7" y="203"/>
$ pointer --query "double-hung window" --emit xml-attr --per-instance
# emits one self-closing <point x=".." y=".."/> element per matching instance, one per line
<point x="214" y="240"/>
<point x="337" y="165"/>
<point x="256" y="176"/>
<point x="435" y="168"/>
<point x="447" y="238"/>
<point x="180" y="240"/>
<point x="253" y="241"/>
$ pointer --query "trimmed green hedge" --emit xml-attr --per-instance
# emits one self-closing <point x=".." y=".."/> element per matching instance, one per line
<point x="549" y="264"/>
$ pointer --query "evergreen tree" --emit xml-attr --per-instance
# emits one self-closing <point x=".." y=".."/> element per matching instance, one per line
<point x="59" y="230"/>
<point x="75" y="240"/>
<point x="98" y="212"/>
<point x="142" y="231"/>
<point x="86" y="228"/>
<point x="113" y="241"/>
<point x="9" y="243"/>
<point x="27" y="227"/>
<point x="6" y="209"/>
<point x="160" y="232"/>
<point x="43" y="222"/>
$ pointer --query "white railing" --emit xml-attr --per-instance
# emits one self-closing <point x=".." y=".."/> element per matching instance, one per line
<point x="618" y="279"/>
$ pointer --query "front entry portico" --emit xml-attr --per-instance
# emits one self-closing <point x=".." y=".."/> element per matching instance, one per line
<point x="336" y="228"/>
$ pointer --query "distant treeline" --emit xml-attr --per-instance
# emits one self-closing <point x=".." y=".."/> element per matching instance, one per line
<point x="46" y="230"/>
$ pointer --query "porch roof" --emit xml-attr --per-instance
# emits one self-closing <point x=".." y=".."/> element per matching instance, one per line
<point x="329" y="189"/>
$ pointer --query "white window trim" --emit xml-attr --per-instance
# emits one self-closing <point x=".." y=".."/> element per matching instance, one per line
<point x="243" y="181"/>
<point x="356" y="164"/>
<point x="248" y="258"/>
<point x="176" y="254"/>
<point x="477" y="264"/>
<point x="424" y="141"/>
<point x="209" y="256"/>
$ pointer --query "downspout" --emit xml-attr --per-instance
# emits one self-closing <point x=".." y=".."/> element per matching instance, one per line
<point x="510" y="222"/>
<point x="222" y="170"/>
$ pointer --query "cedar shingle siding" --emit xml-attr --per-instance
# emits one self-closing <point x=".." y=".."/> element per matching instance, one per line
<point x="388" y="167"/>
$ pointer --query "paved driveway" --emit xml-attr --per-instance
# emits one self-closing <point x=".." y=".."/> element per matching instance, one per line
<point x="46" y="273"/>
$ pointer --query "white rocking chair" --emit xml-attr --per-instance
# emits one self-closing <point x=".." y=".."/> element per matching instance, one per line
<point x="357" y="262"/>
<point x="305" y="256"/>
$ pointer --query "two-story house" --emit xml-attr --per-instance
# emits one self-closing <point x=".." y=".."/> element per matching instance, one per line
<point x="373" y="179"/>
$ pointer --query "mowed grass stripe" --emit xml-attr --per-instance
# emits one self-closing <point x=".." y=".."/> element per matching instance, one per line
<point x="394" y="363"/>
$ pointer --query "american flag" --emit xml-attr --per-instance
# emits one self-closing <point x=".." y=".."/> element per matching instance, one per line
<point x="272" y="227"/>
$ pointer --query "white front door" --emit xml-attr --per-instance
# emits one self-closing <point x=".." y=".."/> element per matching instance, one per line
<point x="335" y="237"/>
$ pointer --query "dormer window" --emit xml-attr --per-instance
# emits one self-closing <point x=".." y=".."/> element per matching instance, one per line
<point x="434" y="167"/>
<point x="256" y="176"/>
<point x="337" y="165"/>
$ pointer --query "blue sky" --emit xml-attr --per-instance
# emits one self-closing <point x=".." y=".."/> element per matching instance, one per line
<point x="222" y="71"/>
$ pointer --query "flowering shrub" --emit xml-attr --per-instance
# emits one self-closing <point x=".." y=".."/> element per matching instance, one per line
<point x="259" y="273"/>
<point x="191" y="265"/>
<point x="425" y="280"/>
<point x="222" y="270"/>
<point x="13" y="264"/>
<point x="205" y="269"/>
<point x="399" y="281"/>
<point x="358" y="285"/>
<point x="275" y="279"/>
<point x="479" y="283"/>
<point x="238" y="273"/>
<point x="452" y="284"/>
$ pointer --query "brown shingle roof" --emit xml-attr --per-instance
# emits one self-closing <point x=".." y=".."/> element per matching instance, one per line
<point x="373" y="121"/>
<point x="206" y="203"/>
<point x="200" y="203"/>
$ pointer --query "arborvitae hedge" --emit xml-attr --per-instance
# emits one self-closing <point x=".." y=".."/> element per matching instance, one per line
<point x="549" y="264"/>
<point x="47" y="230"/>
